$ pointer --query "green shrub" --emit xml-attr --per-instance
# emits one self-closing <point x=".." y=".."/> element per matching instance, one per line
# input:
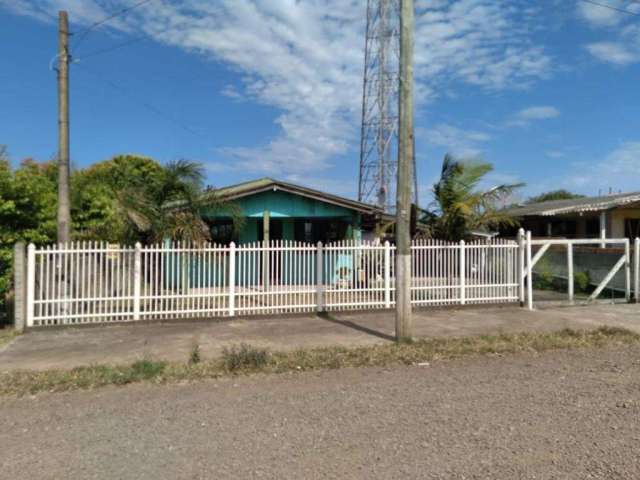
<point x="582" y="281"/>
<point x="244" y="357"/>
<point x="147" y="369"/>
<point x="543" y="278"/>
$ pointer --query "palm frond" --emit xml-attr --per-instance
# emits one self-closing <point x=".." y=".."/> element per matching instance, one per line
<point x="460" y="205"/>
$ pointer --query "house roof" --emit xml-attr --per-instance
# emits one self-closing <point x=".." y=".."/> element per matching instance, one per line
<point x="245" y="189"/>
<point x="574" y="205"/>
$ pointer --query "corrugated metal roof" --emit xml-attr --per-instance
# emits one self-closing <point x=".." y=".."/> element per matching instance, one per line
<point x="265" y="184"/>
<point x="575" y="205"/>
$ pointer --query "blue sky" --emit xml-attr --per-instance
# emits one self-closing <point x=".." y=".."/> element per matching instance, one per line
<point x="546" y="91"/>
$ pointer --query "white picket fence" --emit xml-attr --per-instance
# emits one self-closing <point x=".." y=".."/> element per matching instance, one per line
<point x="91" y="282"/>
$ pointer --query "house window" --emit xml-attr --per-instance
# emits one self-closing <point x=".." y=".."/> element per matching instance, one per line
<point x="222" y="232"/>
<point x="303" y="231"/>
<point x="319" y="230"/>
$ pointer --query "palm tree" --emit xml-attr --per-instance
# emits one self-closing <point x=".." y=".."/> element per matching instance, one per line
<point x="171" y="205"/>
<point x="461" y="207"/>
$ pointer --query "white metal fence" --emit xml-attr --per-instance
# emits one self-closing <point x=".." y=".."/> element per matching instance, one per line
<point x="91" y="282"/>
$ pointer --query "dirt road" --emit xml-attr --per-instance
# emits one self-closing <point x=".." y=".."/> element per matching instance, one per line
<point x="559" y="415"/>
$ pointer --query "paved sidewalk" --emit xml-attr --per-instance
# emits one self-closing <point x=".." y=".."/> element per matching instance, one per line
<point x="124" y="343"/>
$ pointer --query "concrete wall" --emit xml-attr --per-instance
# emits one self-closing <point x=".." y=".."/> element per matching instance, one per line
<point x="617" y="220"/>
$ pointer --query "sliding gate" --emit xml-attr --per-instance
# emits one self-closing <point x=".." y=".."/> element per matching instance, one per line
<point x="623" y="262"/>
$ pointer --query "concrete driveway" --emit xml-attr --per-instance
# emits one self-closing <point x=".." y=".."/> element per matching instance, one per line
<point x="76" y="346"/>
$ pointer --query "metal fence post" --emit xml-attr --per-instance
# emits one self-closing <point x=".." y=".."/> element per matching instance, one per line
<point x="529" y="273"/>
<point x="636" y="269"/>
<point x="319" y="278"/>
<point x="627" y="271"/>
<point x="570" y="279"/>
<point x="31" y="283"/>
<point x="387" y="274"/>
<point x="137" y="280"/>
<point x="463" y="273"/>
<point x="232" y="279"/>
<point x="521" y="249"/>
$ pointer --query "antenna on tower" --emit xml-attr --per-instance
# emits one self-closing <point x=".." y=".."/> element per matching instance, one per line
<point x="379" y="133"/>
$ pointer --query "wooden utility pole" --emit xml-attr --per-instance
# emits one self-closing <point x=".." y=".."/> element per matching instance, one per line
<point x="64" y="209"/>
<point x="404" y="322"/>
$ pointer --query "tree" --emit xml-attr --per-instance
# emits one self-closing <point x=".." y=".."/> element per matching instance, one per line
<point x="100" y="200"/>
<point x="28" y="202"/>
<point x="137" y="199"/>
<point x="560" y="194"/>
<point x="461" y="206"/>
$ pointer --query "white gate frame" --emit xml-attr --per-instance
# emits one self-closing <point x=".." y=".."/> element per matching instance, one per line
<point x="625" y="260"/>
<point x="636" y="270"/>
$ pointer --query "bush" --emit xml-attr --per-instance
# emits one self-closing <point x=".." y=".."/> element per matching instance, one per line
<point x="582" y="281"/>
<point x="543" y="278"/>
<point x="147" y="369"/>
<point x="244" y="357"/>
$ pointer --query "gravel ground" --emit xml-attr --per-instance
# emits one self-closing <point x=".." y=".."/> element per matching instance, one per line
<point x="572" y="414"/>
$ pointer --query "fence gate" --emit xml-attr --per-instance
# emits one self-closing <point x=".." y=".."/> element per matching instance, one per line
<point x="623" y="262"/>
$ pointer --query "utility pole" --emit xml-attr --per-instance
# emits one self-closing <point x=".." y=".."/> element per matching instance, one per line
<point x="64" y="209"/>
<point x="405" y="166"/>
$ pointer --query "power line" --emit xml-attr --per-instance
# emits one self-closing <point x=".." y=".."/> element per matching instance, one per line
<point x="83" y="33"/>
<point x="611" y="7"/>
<point x="113" y="47"/>
<point x="144" y="36"/>
<point x="152" y="108"/>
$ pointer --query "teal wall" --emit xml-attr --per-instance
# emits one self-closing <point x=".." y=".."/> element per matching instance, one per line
<point x="284" y="205"/>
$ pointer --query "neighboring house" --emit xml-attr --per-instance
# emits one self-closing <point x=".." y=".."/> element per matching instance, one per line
<point x="610" y="216"/>
<point x="279" y="210"/>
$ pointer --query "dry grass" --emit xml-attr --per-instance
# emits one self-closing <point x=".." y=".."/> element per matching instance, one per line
<point x="245" y="359"/>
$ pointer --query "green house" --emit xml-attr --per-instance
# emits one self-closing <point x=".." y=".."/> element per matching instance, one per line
<point x="276" y="210"/>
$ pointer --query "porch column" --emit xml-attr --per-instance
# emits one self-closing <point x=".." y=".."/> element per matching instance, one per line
<point x="265" y="245"/>
<point x="549" y="229"/>
<point x="603" y="228"/>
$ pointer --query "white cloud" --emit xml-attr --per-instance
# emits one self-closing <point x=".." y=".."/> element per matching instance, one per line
<point x="613" y="52"/>
<point x="530" y="114"/>
<point x="599" y="16"/>
<point x="232" y="92"/>
<point x="555" y="154"/>
<point x="459" y="142"/>
<point x="305" y="59"/>
<point x="538" y="113"/>
<point x="619" y="170"/>
<point x="622" y="47"/>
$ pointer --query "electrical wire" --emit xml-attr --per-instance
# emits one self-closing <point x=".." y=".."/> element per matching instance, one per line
<point x="144" y="103"/>
<point x="83" y="33"/>
<point x="611" y="7"/>
<point x="112" y="48"/>
<point x="117" y="46"/>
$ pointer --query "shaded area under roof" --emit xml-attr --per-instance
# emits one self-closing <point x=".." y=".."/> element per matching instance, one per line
<point x="574" y="205"/>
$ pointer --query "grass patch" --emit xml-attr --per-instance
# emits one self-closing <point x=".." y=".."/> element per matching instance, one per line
<point x="7" y="335"/>
<point x="194" y="355"/>
<point x="245" y="359"/>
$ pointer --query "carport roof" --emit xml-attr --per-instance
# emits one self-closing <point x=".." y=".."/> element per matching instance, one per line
<point x="575" y="205"/>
